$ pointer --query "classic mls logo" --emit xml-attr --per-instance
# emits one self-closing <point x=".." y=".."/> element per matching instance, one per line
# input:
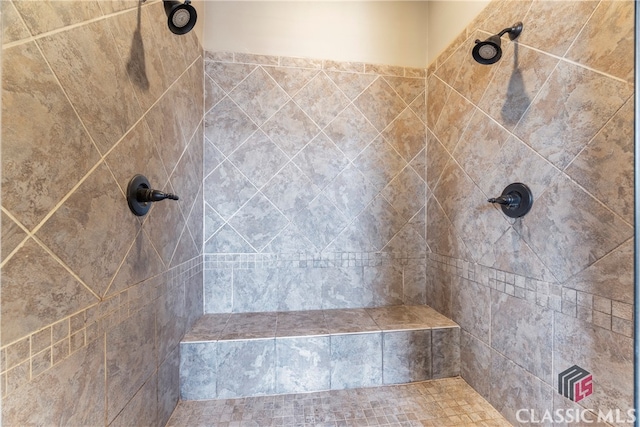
<point x="575" y="383"/>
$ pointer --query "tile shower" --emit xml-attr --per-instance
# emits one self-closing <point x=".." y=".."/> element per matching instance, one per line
<point x="311" y="185"/>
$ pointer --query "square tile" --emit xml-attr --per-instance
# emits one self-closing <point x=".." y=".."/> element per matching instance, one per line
<point x="246" y="368"/>
<point x="406" y="356"/>
<point x="302" y="364"/>
<point x="356" y="360"/>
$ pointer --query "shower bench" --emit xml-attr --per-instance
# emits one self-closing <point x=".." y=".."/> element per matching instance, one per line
<point x="252" y="354"/>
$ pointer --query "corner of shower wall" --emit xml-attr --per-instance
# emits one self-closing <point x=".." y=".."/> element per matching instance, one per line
<point x="537" y="295"/>
<point x="314" y="188"/>
<point x="94" y="299"/>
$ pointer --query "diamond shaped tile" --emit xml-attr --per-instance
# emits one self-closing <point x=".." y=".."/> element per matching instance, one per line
<point x="168" y="218"/>
<point x="291" y="79"/>
<point x="258" y="221"/>
<point x="227" y="75"/>
<point x="320" y="222"/>
<point x="380" y="104"/>
<point x="259" y="96"/>
<point x="351" y="84"/>
<point x="437" y="94"/>
<point x="213" y="93"/>
<point x="226" y="189"/>
<point x="290" y="190"/>
<point x="226" y="126"/>
<point x="350" y="191"/>
<point x="351" y="131"/>
<point x="227" y="240"/>
<point x="407" y="241"/>
<point x="379" y="163"/>
<point x="212" y="157"/>
<point x="94" y="222"/>
<point x="321" y="100"/>
<point x="437" y="158"/>
<point x="453" y="120"/>
<point x="379" y="222"/>
<point x="291" y="129"/>
<point x="406" y="193"/>
<point x="12" y="235"/>
<point x="418" y="223"/>
<point x="408" y="88"/>
<point x="289" y="241"/>
<point x="258" y="158"/>
<point x="442" y="237"/>
<point x="407" y="134"/>
<point x="321" y="161"/>
<point x="419" y="164"/>
<point x="419" y="107"/>
<point x="212" y="221"/>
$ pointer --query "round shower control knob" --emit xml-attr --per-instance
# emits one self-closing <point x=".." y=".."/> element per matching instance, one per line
<point x="516" y="200"/>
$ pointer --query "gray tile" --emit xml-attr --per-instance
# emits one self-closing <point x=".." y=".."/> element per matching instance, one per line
<point x="343" y="321"/>
<point x="356" y="360"/>
<point x="407" y="134"/>
<point x="227" y="75"/>
<point x="291" y="129"/>
<point x="198" y="371"/>
<point x="350" y="191"/>
<point x="255" y="289"/>
<point x="212" y="221"/>
<point x="218" y="290"/>
<point x="321" y="99"/>
<point x="142" y="408"/>
<point x="379" y="163"/>
<point x="171" y="321"/>
<point x="320" y="222"/>
<point x="248" y="326"/>
<point x="343" y="287"/>
<point x="258" y="158"/>
<point x="291" y="79"/>
<point x="301" y="323"/>
<point x="406" y="193"/>
<point x="246" y="368"/>
<point x="289" y="241"/>
<point x="299" y="289"/>
<point x="207" y="328"/>
<point x="258" y="221"/>
<point x="406" y="356"/>
<point x="475" y="363"/>
<point x="380" y="104"/>
<point x="226" y="126"/>
<point x="321" y="161"/>
<point x="351" y="131"/>
<point x="397" y="318"/>
<point x="431" y="317"/>
<point x="259" y="96"/>
<point x="351" y="84"/>
<point x="290" y="190"/>
<point x="465" y="294"/>
<point x="385" y="284"/>
<point x="226" y="189"/>
<point x="414" y="284"/>
<point x="445" y="352"/>
<point x="227" y="240"/>
<point x="302" y="364"/>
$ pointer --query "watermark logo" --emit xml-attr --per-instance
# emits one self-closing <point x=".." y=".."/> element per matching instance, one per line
<point x="575" y="383"/>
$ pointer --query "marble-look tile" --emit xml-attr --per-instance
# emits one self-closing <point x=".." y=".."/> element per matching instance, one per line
<point x="168" y="385"/>
<point x="397" y="317"/>
<point x="92" y="223"/>
<point x="610" y="277"/>
<point x="606" y="355"/>
<point x="380" y="104"/>
<point x="351" y="131"/>
<point x="453" y="120"/>
<point x="288" y="241"/>
<point x="258" y="158"/>
<point x="40" y="109"/>
<point x="212" y="157"/>
<point x="213" y="93"/>
<point x="547" y="33"/>
<point x="321" y="160"/>
<point x="302" y="364"/>
<point x="437" y="157"/>
<point x="259" y="96"/>
<point x="212" y="221"/>
<point x="290" y="190"/>
<point x="226" y="126"/>
<point x="142" y="409"/>
<point x="439" y="292"/>
<point x="255" y="289"/>
<point x="513" y="388"/>
<point x="50" y="16"/>
<point x="384" y="284"/>
<point x="473" y="78"/>
<point x="321" y="100"/>
<point x="226" y="189"/>
<point x="522" y="331"/>
<point x="475" y="363"/>
<point x="343" y="287"/>
<point x="437" y="94"/>
<point x="298" y="289"/>
<point x="258" y="221"/>
<point x="407" y="134"/>
<point x="379" y="222"/>
<point x="408" y="88"/>
<point x="445" y="352"/>
<point x="227" y="240"/>
<point x="320" y="222"/>
<point x="247" y="326"/>
<point x="227" y="75"/>
<point x="450" y="60"/>
<point x="406" y="356"/>
<point x="13" y="27"/>
<point x="357" y="67"/>
<point x="171" y="321"/>
<point x="118" y="109"/>
<point x="606" y="39"/>
<point x="419" y="107"/>
<point x="505" y="10"/>
<point x="218" y="290"/>
<point x="356" y="360"/>
<point x="419" y="164"/>
<point x="291" y="129"/>
<point x="186" y="178"/>
<point x="442" y="237"/>
<point x="406" y="193"/>
<point x="414" y="284"/>
<point x="418" y="222"/>
<point x="349" y="321"/>
<point x="164" y="226"/>
<point x="464" y="294"/>
<point x="246" y="368"/>
<point x="407" y="242"/>
<point x="431" y="317"/>
<point x="291" y="79"/>
<point x="379" y="163"/>
<point x="12" y="235"/>
<point x="520" y="75"/>
<point x="301" y="323"/>
<point x="72" y="394"/>
<point x="605" y="166"/>
<point x="587" y="101"/>
<point x="207" y="328"/>
<point x="37" y="291"/>
<point x="351" y="84"/>
<point x="350" y="191"/>
<point x="564" y="212"/>
<point x="130" y="359"/>
<point x="198" y="369"/>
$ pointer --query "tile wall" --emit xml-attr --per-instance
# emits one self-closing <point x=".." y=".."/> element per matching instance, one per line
<point x="94" y="299"/>
<point x="539" y="294"/>
<point x="315" y="184"/>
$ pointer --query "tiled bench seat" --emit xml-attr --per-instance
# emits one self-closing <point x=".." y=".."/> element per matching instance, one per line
<point x="251" y="354"/>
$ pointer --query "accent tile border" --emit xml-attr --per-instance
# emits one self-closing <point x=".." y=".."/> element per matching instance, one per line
<point x="318" y="64"/>
<point x="27" y="358"/>
<point x="615" y="316"/>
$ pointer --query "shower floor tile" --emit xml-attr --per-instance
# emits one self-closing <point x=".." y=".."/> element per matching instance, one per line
<point x="443" y="402"/>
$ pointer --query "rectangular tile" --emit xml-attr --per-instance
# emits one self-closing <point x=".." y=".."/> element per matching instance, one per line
<point x="406" y="356"/>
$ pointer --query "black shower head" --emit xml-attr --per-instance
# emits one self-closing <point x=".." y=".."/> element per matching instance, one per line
<point x="181" y="16"/>
<point x="489" y="52"/>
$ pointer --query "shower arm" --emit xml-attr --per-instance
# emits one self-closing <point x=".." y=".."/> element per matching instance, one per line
<point x="514" y="31"/>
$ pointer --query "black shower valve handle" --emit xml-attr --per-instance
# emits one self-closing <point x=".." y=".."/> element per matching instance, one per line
<point x="144" y="195"/>
<point x="510" y="200"/>
<point x="140" y="195"/>
<point x="516" y="200"/>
